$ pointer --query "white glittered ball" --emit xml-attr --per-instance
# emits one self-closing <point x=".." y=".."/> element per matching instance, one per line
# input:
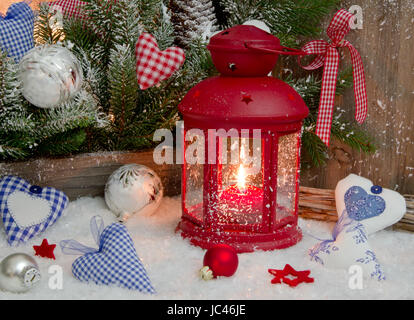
<point x="133" y="189"/>
<point x="50" y="75"/>
<point x="258" y="24"/>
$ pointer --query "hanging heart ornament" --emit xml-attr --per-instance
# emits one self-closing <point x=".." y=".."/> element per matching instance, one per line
<point x="154" y="65"/>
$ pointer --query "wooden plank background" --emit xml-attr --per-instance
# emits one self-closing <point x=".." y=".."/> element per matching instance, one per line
<point x="386" y="44"/>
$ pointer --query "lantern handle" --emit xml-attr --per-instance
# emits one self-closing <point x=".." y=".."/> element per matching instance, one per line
<point x="291" y="51"/>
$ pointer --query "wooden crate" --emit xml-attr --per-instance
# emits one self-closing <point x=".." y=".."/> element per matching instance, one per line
<point x="86" y="174"/>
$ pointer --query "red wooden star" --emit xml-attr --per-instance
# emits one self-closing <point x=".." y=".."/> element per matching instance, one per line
<point x="45" y="250"/>
<point x="281" y="276"/>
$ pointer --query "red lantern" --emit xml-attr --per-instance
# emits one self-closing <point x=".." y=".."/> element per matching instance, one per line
<point x="242" y="133"/>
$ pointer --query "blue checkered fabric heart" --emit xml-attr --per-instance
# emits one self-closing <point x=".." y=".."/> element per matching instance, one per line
<point x="16" y="30"/>
<point x="28" y="210"/>
<point x="115" y="263"/>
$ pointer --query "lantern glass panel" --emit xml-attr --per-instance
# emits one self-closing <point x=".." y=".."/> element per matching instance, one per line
<point x="287" y="171"/>
<point x="240" y="181"/>
<point x="194" y="177"/>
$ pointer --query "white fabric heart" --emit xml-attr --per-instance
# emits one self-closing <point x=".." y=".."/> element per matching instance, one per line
<point x="28" y="210"/>
<point x="363" y="209"/>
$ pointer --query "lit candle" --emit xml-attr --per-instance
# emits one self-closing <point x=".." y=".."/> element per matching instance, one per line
<point x="241" y="203"/>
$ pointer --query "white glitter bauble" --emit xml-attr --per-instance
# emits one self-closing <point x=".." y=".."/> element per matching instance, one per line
<point x="133" y="189"/>
<point x="18" y="273"/>
<point x="50" y="75"/>
<point x="258" y="24"/>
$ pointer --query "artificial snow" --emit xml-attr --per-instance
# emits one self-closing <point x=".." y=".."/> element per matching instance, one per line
<point x="172" y="263"/>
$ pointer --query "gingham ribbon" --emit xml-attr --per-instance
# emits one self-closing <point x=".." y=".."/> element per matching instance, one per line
<point x="329" y="57"/>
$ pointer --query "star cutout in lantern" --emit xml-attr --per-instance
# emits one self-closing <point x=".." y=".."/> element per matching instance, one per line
<point x="45" y="250"/>
<point x="247" y="98"/>
<point x="281" y="276"/>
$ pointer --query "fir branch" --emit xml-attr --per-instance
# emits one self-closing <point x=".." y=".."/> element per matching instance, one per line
<point x="287" y="19"/>
<point x="45" y="31"/>
<point x="9" y="152"/>
<point x="353" y="136"/>
<point x="126" y="27"/>
<point x="80" y="112"/>
<point x="63" y="144"/>
<point x="124" y="91"/>
<point x="314" y="151"/>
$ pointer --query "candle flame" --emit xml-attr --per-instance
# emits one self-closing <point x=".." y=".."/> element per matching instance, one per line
<point x="241" y="178"/>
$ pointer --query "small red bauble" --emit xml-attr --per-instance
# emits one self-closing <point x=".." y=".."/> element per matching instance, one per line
<point x="222" y="260"/>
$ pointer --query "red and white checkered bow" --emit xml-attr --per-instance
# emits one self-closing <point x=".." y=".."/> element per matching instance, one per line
<point x="328" y="55"/>
<point x="154" y="65"/>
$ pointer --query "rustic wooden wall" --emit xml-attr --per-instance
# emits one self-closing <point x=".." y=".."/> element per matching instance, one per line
<point x="386" y="44"/>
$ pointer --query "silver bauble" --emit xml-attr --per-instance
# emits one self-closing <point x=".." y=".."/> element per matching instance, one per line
<point x="133" y="189"/>
<point x="50" y="75"/>
<point x="18" y="273"/>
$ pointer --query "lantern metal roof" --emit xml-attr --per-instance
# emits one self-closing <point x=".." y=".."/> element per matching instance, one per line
<point x="243" y="101"/>
<point x="243" y="95"/>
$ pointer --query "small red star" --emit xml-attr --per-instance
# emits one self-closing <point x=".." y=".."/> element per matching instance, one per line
<point x="45" y="250"/>
<point x="280" y="275"/>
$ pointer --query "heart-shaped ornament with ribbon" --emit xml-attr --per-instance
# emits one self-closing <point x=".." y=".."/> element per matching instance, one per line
<point x="16" y="30"/>
<point x="154" y="65"/>
<point x="363" y="208"/>
<point x="373" y="206"/>
<point x="115" y="262"/>
<point x="28" y="210"/>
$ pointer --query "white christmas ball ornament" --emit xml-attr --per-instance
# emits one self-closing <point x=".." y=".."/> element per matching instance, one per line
<point x="258" y="24"/>
<point x="133" y="189"/>
<point x="18" y="273"/>
<point x="50" y="75"/>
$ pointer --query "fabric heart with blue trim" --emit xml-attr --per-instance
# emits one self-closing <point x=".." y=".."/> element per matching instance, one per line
<point x="115" y="262"/>
<point x="28" y="210"/>
<point x="16" y="30"/>
<point x="360" y="205"/>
